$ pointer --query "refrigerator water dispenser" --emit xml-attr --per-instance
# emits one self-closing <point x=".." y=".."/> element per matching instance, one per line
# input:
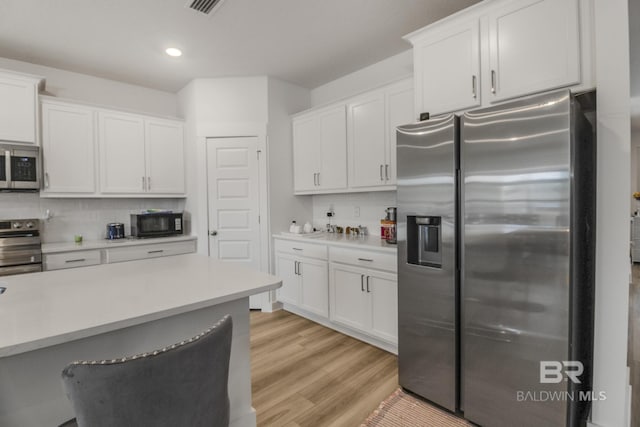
<point x="424" y="241"/>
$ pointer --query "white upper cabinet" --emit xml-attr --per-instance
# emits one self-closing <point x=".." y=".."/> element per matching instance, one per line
<point x="351" y="146"/>
<point x="447" y="69"/>
<point x="501" y="49"/>
<point x="534" y="45"/>
<point x="122" y="155"/>
<point x="141" y="155"/>
<point x="164" y="147"/>
<point x="68" y="147"/>
<point x="367" y="141"/>
<point x="18" y="108"/>
<point x="320" y="150"/>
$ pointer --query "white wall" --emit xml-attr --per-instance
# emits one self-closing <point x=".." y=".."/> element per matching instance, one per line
<point x="386" y="71"/>
<point x="372" y="207"/>
<point x="284" y="100"/>
<point x="87" y="217"/>
<point x="612" y="230"/>
<point x="95" y="90"/>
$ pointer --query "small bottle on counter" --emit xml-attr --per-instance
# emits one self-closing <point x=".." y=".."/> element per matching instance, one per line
<point x="292" y="227"/>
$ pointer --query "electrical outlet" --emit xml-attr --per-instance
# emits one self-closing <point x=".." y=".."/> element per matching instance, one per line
<point x="356" y="211"/>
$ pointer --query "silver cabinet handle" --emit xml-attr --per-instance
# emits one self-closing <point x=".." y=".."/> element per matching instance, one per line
<point x="381" y="178"/>
<point x="296" y="249"/>
<point x="159" y="251"/>
<point x="365" y="259"/>
<point x="149" y="183"/>
<point x="295" y="267"/>
<point x="362" y="282"/>
<point x="368" y="277"/>
<point x="493" y="81"/>
<point x="299" y="269"/>
<point x="318" y="179"/>
<point x="314" y="180"/>
<point x="144" y="184"/>
<point x="474" y="90"/>
<point x="75" y="260"/>
<point x="386" y="172"/>
<point x="46" y="180"/>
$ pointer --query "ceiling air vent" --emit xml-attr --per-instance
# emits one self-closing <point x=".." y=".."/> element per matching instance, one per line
<point x="203" y="6"/>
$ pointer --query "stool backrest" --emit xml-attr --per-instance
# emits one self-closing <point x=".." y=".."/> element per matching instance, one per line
<point x="181" y="385"/>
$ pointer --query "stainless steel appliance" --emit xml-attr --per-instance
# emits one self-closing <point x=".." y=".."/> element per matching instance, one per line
<point x="19" y="168"/>
<point x="496" y="259"/>
<point x="20" y="248"/>
<point x="115" y="230"/>
<point x="157" y="224"/>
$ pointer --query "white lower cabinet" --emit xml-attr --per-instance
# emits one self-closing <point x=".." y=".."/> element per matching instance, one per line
<point x="72" y="259"/>
<point x="364" y="299"/>
<point x="149" y="251"/>
<point x="304" y="283"/>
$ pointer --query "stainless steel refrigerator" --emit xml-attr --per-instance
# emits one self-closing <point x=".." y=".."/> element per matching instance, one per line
<point x="496" y="218"/>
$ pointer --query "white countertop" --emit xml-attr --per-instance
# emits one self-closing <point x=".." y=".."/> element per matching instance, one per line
<point x="344" y="240"/>
<point x="48" y="248"/>
<point x="44" y="309"/>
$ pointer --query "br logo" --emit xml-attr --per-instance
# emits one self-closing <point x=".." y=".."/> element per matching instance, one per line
<point x="553" y="372"/>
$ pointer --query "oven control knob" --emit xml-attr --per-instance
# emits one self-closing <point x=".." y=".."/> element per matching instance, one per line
<point x="29" y="224"/>
<point x="17" y="225"/>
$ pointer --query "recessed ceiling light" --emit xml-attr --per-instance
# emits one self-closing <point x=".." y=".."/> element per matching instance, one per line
<point x="172" y="51"/>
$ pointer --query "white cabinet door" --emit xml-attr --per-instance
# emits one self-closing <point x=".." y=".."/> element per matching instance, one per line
<point x="333" y="149"/>
<point x="286" y="269"/>
<point x="348" y="298"/>
<point x="122" y="159"/>
<point x="306" y="160"/>
<point x="367" y="141"/>
<point x="383" y="292"/>
<point x="315" y="286"/>
<point x="17" y="109"/>
<point x="164" y="146"/>
<point x="68" y="143"/>
<point x="534" y="46"/>
<point x="447" y="69"/>
<point x="399" y="112"/>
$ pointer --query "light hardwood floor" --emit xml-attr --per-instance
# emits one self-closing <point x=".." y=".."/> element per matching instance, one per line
<point x="306" y="375"/>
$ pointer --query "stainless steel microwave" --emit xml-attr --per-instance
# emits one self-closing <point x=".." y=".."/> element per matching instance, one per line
<point x="157" y="224"/>
<point x="19" y="168"/>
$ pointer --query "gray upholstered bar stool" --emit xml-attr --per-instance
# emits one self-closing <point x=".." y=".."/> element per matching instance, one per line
<point x="181" y="385"/>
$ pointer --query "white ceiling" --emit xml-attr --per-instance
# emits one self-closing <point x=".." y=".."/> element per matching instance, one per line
<point x="305" y="42"/>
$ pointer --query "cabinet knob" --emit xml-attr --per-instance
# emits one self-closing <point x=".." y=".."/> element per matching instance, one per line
<point x="213" y="233"/>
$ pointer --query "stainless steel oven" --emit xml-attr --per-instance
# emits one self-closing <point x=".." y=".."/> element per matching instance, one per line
<point x="19" y="168"/>
<point x="20" y="246"/>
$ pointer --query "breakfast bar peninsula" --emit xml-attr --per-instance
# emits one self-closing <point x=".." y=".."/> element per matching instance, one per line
<point x="108" y="311"/>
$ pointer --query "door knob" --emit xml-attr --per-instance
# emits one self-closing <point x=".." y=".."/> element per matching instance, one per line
<point x="213" y="233"/>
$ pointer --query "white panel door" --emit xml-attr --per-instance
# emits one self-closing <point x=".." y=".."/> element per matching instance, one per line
<point x="349" y="303"/>
<point x="314" y="296"/>
<point x="306" y="159"/>
<point x="367" y="137"/>
<point x="383" y="292"/>
<point x="448" y="69"/>
<point x="399" y="112"/>
<point x="234" y="210"/>
<point x="68" y="143"/>
<point x="164" y="156"/>
<point x="122" y="158"/>
<point x="333" y="149"/>
<point x="287" y="270"/>
<point x="534" y="46"/>
<point x="17" y="110"/>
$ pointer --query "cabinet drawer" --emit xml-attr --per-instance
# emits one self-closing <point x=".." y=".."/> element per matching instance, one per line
<point x="71" y="259"/>
<point x="149" y="251"/>
<point x="301" y="249"/>
<point x="367" y="259"/>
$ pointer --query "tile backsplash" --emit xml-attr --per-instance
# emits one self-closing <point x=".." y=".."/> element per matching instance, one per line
<point x="69" y="217"/>
<point x="371" y="207"/>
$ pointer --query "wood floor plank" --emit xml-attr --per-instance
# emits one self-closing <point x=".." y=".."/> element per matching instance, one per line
<point x="307" y="375"/>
